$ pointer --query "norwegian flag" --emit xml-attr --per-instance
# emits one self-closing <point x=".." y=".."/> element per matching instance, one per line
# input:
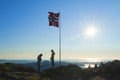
<point x="53" y="19"/>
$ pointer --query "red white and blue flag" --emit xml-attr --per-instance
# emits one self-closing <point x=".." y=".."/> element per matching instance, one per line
<point x="53" y="19"/>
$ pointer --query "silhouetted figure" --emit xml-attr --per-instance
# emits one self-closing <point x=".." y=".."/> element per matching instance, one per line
<point x="52" y="58"/>
<point x="101" y="69"/>
<point x="39" y="62"/>
<point x="95" y="68"/>
<point x="89" y="67"/>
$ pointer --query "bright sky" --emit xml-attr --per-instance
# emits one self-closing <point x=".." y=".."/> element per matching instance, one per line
<point x="90" y="29"/>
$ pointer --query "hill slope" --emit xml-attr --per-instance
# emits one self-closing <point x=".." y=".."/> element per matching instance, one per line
<point x="10" y="71"/>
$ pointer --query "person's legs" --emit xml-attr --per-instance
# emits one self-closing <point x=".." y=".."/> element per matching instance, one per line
<point x="39" y="66"/>
<point x="53" y="63"/>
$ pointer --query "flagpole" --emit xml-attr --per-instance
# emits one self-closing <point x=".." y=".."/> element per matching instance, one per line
<point x="60" y="40"/>
<point x="51" y="23"/>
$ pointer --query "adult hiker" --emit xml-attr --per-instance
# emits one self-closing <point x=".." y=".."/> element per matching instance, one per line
<point x="39" y="62"/>
<point x="52" y="58"/>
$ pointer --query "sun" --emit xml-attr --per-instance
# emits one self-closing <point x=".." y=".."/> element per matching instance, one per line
<point x="90" y="31"/>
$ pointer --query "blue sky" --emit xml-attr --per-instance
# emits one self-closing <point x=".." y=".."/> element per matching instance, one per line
<point x="24" y="29"/>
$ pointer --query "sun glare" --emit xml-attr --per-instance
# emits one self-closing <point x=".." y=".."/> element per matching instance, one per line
<point x="92" y="60"/>
<point x="91" y="31"/>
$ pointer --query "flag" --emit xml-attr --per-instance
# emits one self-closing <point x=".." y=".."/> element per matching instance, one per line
<point x="53" y="19"/>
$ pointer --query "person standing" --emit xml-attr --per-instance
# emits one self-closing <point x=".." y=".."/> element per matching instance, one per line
<point x="52" y="58"/>
<point x="39" y="62"/>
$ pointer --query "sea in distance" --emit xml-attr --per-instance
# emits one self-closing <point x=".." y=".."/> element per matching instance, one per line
<point x="80" y="63"/>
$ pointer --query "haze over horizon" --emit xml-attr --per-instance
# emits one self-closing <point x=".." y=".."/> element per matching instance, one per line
<point x="90" y="29"/>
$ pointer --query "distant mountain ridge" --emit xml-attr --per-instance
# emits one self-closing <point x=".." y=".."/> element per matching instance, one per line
<point x="16" y="61"/>
<point x="12" y="67"/>
<point x="46" y="64"/>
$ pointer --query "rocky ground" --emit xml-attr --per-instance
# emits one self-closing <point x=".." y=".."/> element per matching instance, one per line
<point x="108" y="71"/>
